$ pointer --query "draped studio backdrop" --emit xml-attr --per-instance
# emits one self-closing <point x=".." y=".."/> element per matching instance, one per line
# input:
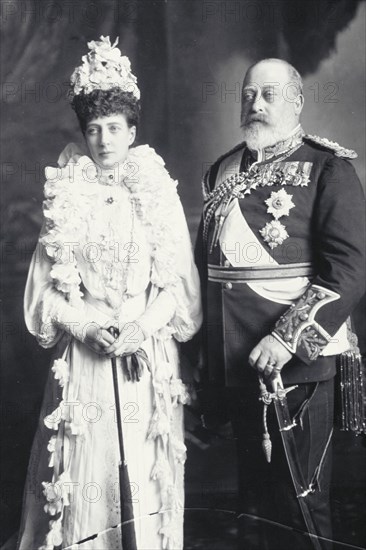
<point x="190" y="57"/>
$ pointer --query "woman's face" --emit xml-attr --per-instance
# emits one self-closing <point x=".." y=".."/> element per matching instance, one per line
<point x="108" y="139"/>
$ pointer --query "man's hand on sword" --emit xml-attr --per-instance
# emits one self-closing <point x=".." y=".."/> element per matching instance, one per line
<point x="268" y="357"/>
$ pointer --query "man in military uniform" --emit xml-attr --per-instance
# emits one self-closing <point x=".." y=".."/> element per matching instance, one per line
<point x="281" y="256"/>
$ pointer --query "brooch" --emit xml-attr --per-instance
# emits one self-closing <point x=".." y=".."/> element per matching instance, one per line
<point x="274" y="233"/>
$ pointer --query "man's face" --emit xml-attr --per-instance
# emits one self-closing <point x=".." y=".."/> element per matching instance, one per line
<point x="270" y="105"/>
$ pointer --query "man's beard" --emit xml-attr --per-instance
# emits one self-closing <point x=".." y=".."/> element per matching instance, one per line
<point x="258" y="134"/>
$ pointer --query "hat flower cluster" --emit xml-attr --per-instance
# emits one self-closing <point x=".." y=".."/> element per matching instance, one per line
<point x="103" y="68"/>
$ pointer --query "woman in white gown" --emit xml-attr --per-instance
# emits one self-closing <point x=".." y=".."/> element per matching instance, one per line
<point x="114" y="251"/>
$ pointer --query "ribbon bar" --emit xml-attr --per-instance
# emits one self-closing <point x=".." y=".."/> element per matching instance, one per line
<point x="222" y="274"/>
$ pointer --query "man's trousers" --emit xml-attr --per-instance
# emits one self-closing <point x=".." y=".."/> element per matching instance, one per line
<point x="266" y="489"/>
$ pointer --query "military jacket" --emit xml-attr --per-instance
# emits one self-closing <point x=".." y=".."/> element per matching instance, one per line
<point x="281" y="251"/>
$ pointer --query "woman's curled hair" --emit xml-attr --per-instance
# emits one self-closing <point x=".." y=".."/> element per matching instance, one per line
<point x="101" y="103"/>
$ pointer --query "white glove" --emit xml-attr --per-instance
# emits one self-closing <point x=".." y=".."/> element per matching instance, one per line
<point x="87" y="325"/>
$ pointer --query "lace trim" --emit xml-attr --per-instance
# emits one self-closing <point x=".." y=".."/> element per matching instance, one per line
<point x="171" y="452"/>
<point x="70" y="197"/>
<point x="169" y="393"/>
<point x="57" y="491"/>
<point x="297" y="327"/>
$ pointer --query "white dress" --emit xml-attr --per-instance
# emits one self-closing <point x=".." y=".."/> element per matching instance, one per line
<point x="111" y="243"/>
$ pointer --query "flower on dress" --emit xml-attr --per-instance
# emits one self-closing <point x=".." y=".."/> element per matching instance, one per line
<point x="279" y="204"/>
<point x="61" y="370"/>
<point x="53" y="508"/>
<point x="51" y="447"/>
<point x="65" y="483"/>
<point x="179" y="450"/>
<point x="52" y="491"/>
<point x="52" y="245"/>
<point x="54" y="536"/>
<point x="159" y="425"/>
<point x="57" y="494"/>
<point x="274" y="233"/>
<point x="178" y="392"/>
<point x="67" y="274"/>
<point x="52" y="420"/>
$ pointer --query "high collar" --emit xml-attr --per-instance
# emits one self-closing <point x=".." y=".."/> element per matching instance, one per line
<point x="115" y="175"/>
<point x="292" y="140"/>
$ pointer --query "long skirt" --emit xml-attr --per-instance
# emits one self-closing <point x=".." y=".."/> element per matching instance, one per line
<point x="72" y="489"/>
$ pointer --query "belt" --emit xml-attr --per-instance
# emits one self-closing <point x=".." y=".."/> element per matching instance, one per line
<point x="222" y="274"/>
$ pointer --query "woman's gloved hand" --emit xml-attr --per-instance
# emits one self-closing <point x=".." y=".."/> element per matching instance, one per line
<point x="127" y="341"/>
<point x="132" y="363"/>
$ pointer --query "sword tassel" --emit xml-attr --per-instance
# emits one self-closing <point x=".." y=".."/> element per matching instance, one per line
<point x="266" y="397"/>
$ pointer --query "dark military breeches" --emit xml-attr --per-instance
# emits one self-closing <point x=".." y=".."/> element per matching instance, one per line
<point x="266" y="489"/>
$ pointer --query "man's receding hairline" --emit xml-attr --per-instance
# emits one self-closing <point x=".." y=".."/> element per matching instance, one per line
<point x="293" y="73"/>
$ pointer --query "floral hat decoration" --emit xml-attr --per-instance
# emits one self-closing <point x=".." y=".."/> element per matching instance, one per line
<point x="103" y="68"/>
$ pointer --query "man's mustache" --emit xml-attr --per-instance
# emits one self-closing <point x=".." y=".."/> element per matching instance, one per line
<point x="254" y="118"/>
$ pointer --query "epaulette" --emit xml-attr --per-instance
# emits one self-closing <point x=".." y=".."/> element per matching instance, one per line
<point x="333" y="146"/>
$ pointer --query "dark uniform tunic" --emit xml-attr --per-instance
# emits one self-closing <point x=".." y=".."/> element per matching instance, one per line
<point x="310" y="234"/>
